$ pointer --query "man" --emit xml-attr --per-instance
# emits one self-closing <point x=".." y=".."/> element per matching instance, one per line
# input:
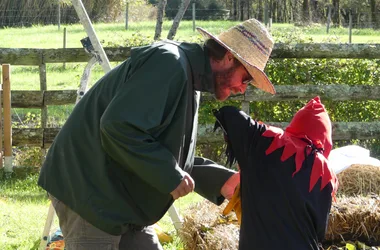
<point x="127" y="150"/>
<point x="286" y="183"/>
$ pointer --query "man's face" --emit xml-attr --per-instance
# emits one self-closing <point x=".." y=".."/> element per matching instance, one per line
<point x="229" y="78"/>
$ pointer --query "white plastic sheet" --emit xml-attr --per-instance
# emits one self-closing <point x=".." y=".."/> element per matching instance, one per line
<point x="343" y="157"/>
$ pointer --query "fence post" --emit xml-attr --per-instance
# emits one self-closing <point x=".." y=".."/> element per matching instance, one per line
<point x="126" y="15"/>
<point x="245" y="107"/>
<point x="350" y="27"/>
<point x="7" y="118"/>
<point x="1" y="127"/>
<point x="266" y="16"/>
<point x="270" y="24"/>
<point x="64" y="43"/>
<point x="328" y="20"/>
<point x="193" y="17"/>
<point x="59" y="15"/>
<point x="43" y="87"/>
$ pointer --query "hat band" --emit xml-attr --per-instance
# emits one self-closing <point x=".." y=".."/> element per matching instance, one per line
<point x="253" y="39"/>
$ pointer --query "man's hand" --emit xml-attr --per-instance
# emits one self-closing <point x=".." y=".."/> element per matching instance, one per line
<point x="186" y="186"/>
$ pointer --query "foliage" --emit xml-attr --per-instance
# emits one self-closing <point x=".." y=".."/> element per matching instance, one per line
<point x="205" y="10"/>
<point x="28" y="157"/>
<point x="28" y="13"/>
<point x="138" y="12"/>
<point x="136" y="39"/>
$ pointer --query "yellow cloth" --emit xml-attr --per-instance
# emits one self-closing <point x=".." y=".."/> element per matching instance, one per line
<point x="234" y="204"/>
<point x="162" y="236"/>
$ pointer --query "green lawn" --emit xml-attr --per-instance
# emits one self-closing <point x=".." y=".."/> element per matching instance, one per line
<point x="24" y="207"/>
<point x="116" y="34"/>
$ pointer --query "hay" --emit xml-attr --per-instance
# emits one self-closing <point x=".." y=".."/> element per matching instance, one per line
<point x="359" y="180"/>
<point x="205" y="228"/>
<point x="351" y="219"/>
<point x="355" y="218"/>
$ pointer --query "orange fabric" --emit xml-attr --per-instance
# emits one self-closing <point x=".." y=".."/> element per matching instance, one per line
<point x="234" y="205"/>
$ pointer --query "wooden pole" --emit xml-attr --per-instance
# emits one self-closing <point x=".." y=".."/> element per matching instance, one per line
<point x="64" y="43"/>
<point x="266" y="15"/>
<point x="85" y="20"/>
<point x="350" y="27"/>
<point x="328" y="20"/>
<point x="245" y="107"/>
<point x="1" y="128"/>
<point x="126" y="15"/>
<point x="7" y="118"/>
<point x="43" y="87"/>
<point x="270" y="24"/>
<point x="193" y="16"/>
<point x="59" y="15"/>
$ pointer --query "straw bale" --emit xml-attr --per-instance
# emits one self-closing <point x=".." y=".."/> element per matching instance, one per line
<point x="355" y="218"/>
<point x="351" y="219"/>
<point x="204" y="228"/>
<point x="359" y="180"/>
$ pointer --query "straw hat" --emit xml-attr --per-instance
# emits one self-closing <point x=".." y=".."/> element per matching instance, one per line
<point x="251" y="44"/>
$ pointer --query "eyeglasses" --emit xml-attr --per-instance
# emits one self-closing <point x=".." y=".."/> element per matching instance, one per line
<point x="249" y="80"/>
<point x="246" y="82"/>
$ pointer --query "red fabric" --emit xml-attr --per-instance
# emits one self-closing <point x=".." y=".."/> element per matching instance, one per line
<point x="310" y="124"/>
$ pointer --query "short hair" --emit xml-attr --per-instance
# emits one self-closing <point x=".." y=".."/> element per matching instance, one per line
<point x="215" y="50"/>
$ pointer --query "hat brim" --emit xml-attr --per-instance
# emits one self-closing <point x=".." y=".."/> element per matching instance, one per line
<point x="260" y="79"/>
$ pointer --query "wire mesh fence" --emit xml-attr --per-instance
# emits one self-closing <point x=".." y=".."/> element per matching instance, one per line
<point x="67" y="15"/>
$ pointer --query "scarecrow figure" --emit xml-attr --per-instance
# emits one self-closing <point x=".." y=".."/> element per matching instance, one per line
<point x="286" y="185"/>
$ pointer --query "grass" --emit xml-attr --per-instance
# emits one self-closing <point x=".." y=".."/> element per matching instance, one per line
<point x="24" y="207"/>
<point x="114" y="33"/>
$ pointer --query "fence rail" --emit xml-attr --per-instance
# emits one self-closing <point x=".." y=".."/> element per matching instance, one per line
<point x="337" y="92"/>
<point x="43" y="137"/>
<point x="300" y="51"/>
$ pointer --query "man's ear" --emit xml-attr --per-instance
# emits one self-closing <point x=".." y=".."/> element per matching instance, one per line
<point x="229" y="58"/>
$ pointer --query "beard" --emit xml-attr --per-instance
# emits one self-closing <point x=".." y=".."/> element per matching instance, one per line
<point x="221" y="80"/>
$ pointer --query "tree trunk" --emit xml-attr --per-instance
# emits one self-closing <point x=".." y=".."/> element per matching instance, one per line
<point x="249" y="9"/>
<point x="305" y="12"/>
<point x="278" y="11"/>
<point x="160" y="15"/>
<point x="314" y="11"/>
<point x="235" y="9"/>
<point x="241" y="10"/>
<point x="285" y="16"/>
<point x="336" y="15"/>
<point x="375" y="22"/>
<point x="178" y="18"/>
<point x="260" y="11"/>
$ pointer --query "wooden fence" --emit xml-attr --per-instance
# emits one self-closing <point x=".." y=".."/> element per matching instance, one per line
<point x="43" y="137"/>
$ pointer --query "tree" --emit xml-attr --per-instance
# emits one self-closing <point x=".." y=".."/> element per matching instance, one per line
<point x="306" y="12"/>
<point x="160" y="15"/>
<point x="375" y="21"/>
<point x="178" y="18"/>
<point x="336" y="14"/>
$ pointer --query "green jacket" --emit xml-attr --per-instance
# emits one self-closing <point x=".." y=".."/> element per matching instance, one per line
<point x="128" y="141"/>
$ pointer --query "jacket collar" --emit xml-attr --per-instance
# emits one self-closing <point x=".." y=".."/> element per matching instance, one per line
<point x="200" y="64"/>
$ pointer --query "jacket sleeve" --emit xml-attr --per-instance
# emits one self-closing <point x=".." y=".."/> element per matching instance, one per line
<point x="209" y="177"/>
<point x="144" y="106"/>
